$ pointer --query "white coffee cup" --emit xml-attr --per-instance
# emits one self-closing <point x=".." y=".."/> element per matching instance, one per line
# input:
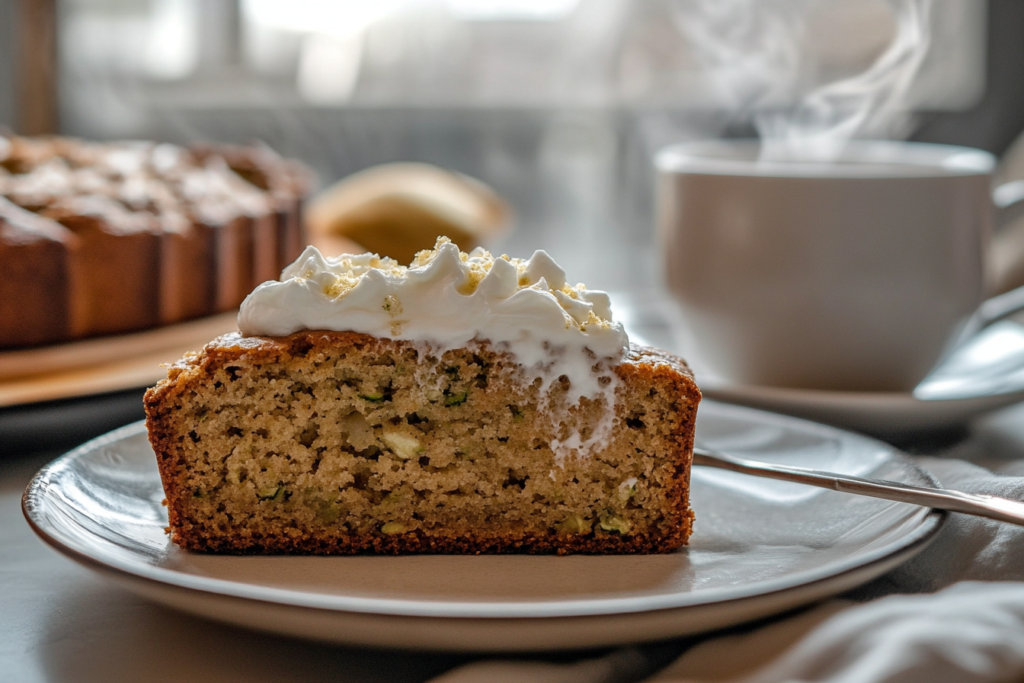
<point x="854" y="275"/>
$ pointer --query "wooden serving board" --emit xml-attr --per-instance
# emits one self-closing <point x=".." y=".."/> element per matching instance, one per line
<point x="127" y="361"/>
<point x="94" y="366"/>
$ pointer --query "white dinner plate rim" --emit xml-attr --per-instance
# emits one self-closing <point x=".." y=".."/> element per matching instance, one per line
<point x="888" y="399"/>
<point x="929" y="525"/>
<point x="877" y="413"/>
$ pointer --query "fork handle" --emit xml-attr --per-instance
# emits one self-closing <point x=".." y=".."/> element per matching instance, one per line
<point x="992" y="507"/>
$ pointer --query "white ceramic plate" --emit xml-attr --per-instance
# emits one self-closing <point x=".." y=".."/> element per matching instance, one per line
<point x="760" y="547"/>
<point x="984" y="374"/>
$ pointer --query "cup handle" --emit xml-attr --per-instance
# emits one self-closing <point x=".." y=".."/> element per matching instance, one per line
<point x="1007" y="251"/>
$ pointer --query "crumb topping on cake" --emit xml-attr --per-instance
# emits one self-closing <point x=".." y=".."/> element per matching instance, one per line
<point x="502" y="277"/>
<point x="445" y="297"/>
<point x="449" y="299"/>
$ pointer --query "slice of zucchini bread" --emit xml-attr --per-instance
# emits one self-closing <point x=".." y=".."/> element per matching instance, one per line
<point x="322" y="441"/>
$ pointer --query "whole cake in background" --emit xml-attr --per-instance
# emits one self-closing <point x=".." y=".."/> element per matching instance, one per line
<point x="466" y="403"/>
<point x="104" y="238"/>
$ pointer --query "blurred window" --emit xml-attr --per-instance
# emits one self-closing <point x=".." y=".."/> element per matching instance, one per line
<point x="465" y="52"/>
<point x="558" y="104"/>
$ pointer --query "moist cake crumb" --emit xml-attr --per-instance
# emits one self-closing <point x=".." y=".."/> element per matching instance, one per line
<point x="341" y="442"/>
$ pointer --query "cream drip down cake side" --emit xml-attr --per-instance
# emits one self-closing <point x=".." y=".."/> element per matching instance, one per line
<point x="463" y="404"/>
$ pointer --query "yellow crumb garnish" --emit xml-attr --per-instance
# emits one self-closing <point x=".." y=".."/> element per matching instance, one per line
<point x="349" y="270"/>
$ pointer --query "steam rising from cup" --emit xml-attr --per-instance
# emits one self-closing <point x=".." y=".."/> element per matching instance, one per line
<point x="751" y="49"/>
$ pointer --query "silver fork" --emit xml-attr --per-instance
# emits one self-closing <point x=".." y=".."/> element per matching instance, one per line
<point x="993" y="507"/>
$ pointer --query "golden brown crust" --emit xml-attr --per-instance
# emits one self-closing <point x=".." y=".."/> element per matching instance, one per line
<point x="643" y="365"/>
<point x="128" y="236"/>
<point x="34" y="251"/>
<point x="120" y="252"/>
<point x="417" y="542"/>
<point x="286" y="180"/>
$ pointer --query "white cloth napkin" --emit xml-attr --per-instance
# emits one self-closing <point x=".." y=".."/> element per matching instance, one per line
<point x="896" y="629"/>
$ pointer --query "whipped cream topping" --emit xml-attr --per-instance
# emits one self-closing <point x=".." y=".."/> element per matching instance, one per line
<point x="448" y="299"/>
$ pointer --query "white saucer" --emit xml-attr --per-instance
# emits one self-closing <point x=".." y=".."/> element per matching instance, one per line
<point x="984" y="374"/>
<point x="760" y="547"/>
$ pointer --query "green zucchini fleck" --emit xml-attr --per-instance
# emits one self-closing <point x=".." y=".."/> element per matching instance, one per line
<point x="270" y="493"/>
<point x="615" y="524"/>
<point x="573" y="524"/>
<point x="393" y="528"/>
<point x="456" y="399"/>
